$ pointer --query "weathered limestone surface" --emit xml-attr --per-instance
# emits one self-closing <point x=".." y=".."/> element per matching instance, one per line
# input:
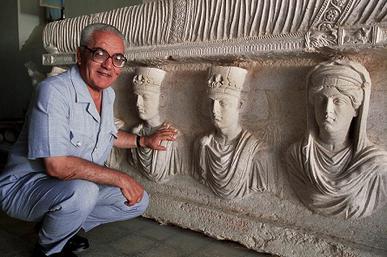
<point x="278" y="43"/>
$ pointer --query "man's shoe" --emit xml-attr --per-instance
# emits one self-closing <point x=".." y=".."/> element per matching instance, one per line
<point x="38" y="252"/>
<point x="76" y="244"/>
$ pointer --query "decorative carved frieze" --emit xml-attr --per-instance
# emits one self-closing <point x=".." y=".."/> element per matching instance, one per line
<point x="173" y="30"/>
<point x="363" y="36"/>
<point x="59" y="59"/>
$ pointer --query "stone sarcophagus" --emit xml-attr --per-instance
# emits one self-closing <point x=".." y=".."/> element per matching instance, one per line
<point x="281" y="111"/>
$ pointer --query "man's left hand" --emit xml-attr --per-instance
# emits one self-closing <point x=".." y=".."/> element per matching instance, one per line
<point x="165" y="132"/>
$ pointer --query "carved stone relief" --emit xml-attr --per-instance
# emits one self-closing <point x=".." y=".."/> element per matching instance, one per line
<point x="157" y="166"/>
<point x="335" y="169"/>
<point x="227" y="160"/>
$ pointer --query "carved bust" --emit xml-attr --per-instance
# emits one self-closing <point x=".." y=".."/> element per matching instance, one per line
<point x="335" y="169"/>
<point x="225" y="158"/>
<point x="157" y="166"/>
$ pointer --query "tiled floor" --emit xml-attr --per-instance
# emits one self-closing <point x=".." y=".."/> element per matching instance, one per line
<point x="135" y="238"/>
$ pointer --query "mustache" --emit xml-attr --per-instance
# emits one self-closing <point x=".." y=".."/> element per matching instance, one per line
<point x="105" y="73"/>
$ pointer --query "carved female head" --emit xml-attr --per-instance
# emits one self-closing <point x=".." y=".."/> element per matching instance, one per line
<point x="336" y="92"/>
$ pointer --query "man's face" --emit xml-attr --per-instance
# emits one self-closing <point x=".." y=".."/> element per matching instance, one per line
<point x="100" y="75"/>
<point x="225" y="110"/>
<point x="147" y="104"/>
<point x="333" y="111"/>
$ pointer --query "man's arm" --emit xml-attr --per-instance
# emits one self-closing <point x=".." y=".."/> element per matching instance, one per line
<point x="165" y="132"/>
<point x="70" y="167"/>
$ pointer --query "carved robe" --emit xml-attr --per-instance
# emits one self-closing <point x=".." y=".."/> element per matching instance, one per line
<point x="157" y="166"/>
<point x="230" y="171"/>
<point x="350" y="184"/>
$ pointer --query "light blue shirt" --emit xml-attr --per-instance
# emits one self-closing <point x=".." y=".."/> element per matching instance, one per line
<point x="63" y="121"/>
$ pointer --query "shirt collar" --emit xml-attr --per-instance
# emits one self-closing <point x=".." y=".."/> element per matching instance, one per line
<point x="82" y="93"/>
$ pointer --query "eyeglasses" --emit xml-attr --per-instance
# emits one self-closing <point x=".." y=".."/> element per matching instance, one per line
<point x="100" y="55"/>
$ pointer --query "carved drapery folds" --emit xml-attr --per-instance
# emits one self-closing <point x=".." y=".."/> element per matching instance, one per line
<point x="336" y="170"/>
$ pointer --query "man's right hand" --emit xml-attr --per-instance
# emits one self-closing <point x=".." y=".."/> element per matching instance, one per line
<point x="132" y="191"/>
<point x="69" y="167"/>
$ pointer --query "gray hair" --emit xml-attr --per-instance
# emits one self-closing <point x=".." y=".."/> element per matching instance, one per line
<point x="87" y="32"/>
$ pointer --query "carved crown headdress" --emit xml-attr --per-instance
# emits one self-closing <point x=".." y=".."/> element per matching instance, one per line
<point x="226" y="80"/>
<point x="148" y="79"/>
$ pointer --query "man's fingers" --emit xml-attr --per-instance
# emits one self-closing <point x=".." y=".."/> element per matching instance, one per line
<point x="130" y="203"/>
<point x="165" y="133"/>
<point x="134" y="200"/>
<point x="165" y="125"/>
<point x="166" y="137"/>
<point x="162" y="131"/>
<point x="140" y="197"/>
<point x="133" y="193"/>
<point x="159" y="148"/>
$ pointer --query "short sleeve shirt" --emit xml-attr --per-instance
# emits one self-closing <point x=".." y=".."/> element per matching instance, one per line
<point x="63" y="121"/>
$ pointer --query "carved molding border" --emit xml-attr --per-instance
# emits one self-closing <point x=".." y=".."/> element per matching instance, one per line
<point x="238" y="48"/>
<point x="342" y="38"/>
<point x="167" y="29"/>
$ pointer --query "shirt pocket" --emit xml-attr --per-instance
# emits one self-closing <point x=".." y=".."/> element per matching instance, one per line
<point x="82" y="144"/>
